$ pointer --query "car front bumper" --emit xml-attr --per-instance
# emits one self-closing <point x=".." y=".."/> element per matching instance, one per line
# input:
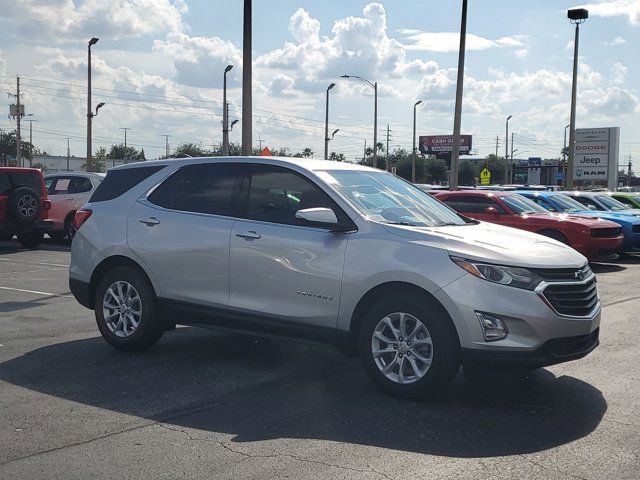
<point x="600" y="247"/>
<point x="535" y="331"/>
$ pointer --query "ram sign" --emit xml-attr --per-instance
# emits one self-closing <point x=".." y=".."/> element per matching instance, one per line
<point x="443" y="144"/>
<point x="596" y="155"/>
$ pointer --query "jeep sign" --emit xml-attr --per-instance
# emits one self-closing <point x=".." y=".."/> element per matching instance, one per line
<point x="596" y="155"/>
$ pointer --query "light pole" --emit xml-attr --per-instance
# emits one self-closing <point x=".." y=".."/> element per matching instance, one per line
<point x="90" y="118"/>
<point x="90" y="115"/>
<point x="577" y="16"/>
<point x="326" y="124"/>
<point x="166" y="145"/>
<point x="455" y="149"/>
<point x="328" y="139"/>
<point x="564" y="155"/>
<point x="31" y="137"/>
<point x="225" y="114"/>
<point x="506" y="153"/>
<point x="413" y="152"/>
<point x="247" y="140"/>
<point x="373" y="85"/>
<point x="68" y="152"/>
<point x="125" y="142"/>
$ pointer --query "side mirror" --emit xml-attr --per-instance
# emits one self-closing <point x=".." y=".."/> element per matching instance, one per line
<point x="319" y="217"/>
<point x="492" y="211"/>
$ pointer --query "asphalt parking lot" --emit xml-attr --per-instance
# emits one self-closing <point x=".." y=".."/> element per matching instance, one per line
<point x="205" y="404"/>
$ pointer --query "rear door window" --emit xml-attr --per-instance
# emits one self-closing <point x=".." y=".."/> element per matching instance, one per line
<point x="464" y="204"/>
<point x="80" y="185"/>
<point x="587" y="202"/>
<point x="205" y="188"/>
<point x="60" y="186"/>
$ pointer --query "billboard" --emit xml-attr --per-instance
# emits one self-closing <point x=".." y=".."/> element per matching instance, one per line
<point x="443" y="144"/>
<point x="596" y="153"/>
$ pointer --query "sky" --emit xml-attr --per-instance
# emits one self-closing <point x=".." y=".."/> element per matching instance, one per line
<point x="159" y="66"/>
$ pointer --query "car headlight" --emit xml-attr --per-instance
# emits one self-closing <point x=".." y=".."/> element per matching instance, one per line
<point x="513" y="276"/>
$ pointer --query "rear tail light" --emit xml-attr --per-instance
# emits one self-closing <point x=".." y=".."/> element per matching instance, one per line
<point x="80" y="217"/>
<point x="46" y="205"/>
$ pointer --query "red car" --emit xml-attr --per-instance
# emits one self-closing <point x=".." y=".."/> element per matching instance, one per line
<point x="24" y="205"/>
<point x="592" y="237"/>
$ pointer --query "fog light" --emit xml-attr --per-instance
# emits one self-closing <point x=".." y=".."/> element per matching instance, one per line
<point x="493" y="328"/>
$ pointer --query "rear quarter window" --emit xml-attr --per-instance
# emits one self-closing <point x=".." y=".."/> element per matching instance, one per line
<point x="118" y="182"/>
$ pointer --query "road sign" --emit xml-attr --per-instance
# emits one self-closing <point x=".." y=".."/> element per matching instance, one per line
<point x="485" y="177"/>
<point x="560" y="176"/>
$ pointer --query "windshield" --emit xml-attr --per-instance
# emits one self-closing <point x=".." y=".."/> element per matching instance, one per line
<point x="611" y="203"/>
<point x="519" y="204"/>
<point x="568" y="204"/>
<point x="386" y="198"/>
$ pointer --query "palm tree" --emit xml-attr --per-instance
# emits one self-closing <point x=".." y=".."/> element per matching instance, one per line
<point x="307" y="152"/>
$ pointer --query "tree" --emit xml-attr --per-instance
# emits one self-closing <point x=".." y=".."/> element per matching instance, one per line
<point x="338" y="157"/>
<point x="190" y="150"/>
<point x="141" y="157"/>
<point x="96" y="164"/>
<point x="307" y="152"/>
<point x="467" y="173"/>
<point x="120" y="152"/>
<point x="8" y="149"/>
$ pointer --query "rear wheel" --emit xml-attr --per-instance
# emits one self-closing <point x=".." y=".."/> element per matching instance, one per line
<point x="125" y="310"/>
<point x="409" y="349"/>
<point x="30" y="239"/>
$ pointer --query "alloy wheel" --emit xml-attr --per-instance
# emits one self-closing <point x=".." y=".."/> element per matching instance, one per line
<point x="122" y="309"/>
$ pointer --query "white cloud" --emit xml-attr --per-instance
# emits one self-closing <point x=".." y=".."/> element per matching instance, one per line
<point x="615" y="42"/>
<point x="615" y="8"/>
<point x="619" y="73"/>
<point x="65" y="20"/>
<point x="610" y="102"/>
<point x="447" y="42"/>
<point x="197" y="59"/>
<point x="3" y="64"/>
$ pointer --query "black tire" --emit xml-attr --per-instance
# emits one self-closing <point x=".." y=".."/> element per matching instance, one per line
<point x="24" y="206"/>
<point x="556" y="235"/>
<point x="446" y="347"/>
<point x="150" y="327"/>
<point x="30" y="240"/>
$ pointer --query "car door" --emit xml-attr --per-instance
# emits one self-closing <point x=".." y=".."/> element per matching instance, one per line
<point x="61" y="197"/>
<point x="180" y="232"/>
<point x="280" y="268"/>
<point x="80" y="190"/>
<point x="474" y="206"/>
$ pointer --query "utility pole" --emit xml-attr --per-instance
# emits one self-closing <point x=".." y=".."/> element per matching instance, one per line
<point x="629" y="171"/>
<point x="31" y="139"/>
<point x="247" y="141"/>
<point x="413" y="151"/>
<point x="68" y="153"/>
<point x="364" y="152"/>
<point x="166" y="148"/>
<point x="506" y="152"/>
<point x="388" y="168"/>
<point x="18" y="118"/>
<point x="326" y="124"/>
<point x="455" y="152"/>
<point x="497" y="143"/>
<point x="125" y="142"/>
<point x="225" y="113"/>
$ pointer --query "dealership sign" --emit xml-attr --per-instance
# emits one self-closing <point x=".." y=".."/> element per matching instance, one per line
<point x="596" y="154"/>
<point x="443" y="144"/>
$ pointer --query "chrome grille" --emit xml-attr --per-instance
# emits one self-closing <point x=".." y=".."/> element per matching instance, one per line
<point x="576" y="299"/>
<point x="563" y="274"/>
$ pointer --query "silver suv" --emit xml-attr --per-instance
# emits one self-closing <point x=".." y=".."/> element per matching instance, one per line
<point x="331" y="251"/>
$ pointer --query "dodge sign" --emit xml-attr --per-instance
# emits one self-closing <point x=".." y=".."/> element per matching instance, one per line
<point x="596" y="155"/>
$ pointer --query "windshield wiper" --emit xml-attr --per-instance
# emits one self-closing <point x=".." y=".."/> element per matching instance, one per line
<point x="451" y="224"/>
<point x="406" y="224"/>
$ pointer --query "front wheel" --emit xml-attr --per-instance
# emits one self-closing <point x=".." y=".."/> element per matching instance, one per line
<point x="30" y="240"/>
<point x="125" y="310"/>
<point x="409" y="349"/>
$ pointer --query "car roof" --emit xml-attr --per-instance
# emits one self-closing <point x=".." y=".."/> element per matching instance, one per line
<point x="479" y="193"/>
<point x="18" y="169"/>
<point x="75" y="174"/>
<point x="304" y="163"/>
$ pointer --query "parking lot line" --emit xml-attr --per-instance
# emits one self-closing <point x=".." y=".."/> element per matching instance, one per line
<point x="33" y="263"/>
<point x="48" y="294"/>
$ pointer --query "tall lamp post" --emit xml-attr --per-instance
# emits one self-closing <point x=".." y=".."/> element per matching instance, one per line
<point x="90" y="115"/>
<point x="576" y="16"/>
<point x="225" y="114"/>
<point x="506" y="153"/>
<point x="564" y="155"/>
<point x="457" y="120"/>
<point x="413" y="152"/>
<point x="373" y="85"/>
<point x="247" y="109"/>
<point x="326" y="124"/>
<point x="126" y="129"/>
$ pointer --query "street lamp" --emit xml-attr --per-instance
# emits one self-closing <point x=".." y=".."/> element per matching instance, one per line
<point x="506" y="153"/>
<point x="225" y="114"/>
<point x="577" y="16"/>
<point x="326" y="124"/>
<point x="564" y="155"/>
<point x="90" y="116"/>
<point x="375" y="115"/>
<point x="413" y="152"/>
<point x="457" y="119"/>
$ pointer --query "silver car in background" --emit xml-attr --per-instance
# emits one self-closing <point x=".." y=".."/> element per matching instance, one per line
<point x="330" y="251"/>
<point x="68" y="192"/>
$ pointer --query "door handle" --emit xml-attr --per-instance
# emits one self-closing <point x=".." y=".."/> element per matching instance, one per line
<point x="250" y="235"/>
<point x="150" y="222"/>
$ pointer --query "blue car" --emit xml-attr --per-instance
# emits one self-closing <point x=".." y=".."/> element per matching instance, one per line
<point x="563" y="202"/>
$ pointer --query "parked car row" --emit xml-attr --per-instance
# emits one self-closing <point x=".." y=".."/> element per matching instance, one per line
<point x="340" y="253"/>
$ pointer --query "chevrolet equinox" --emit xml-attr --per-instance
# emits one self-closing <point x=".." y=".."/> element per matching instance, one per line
<point x="332" y="251"/>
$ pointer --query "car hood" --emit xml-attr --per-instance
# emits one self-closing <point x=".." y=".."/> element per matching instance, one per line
<point x="587" y="221"/>
<point x="493" y="243"/>
<point x="612" y="216"/>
